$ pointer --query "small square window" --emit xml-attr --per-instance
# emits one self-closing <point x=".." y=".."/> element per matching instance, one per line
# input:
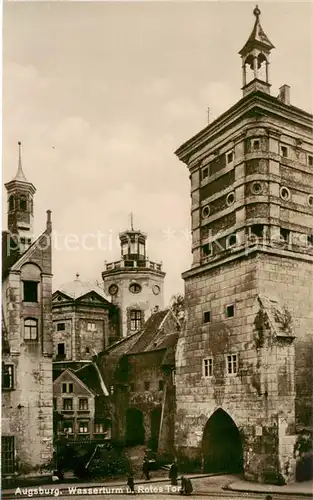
<point x="91" y="327"/>
<point x="284" y="151"/>
<point x="67" y="404"/>
<point x="257" y="230"/>
<point x="230" y="311"/>
<point x="231" y="240"/>
<point x="284" y="235"/>
<point x="207" y="367"/>
<point x="161" y="385"/>
<point x="204" y="173"/>
<point x="99" y="428"/>
<point x="310" y="160"/>
<point x="207" y="317"/>
<point x="207" y="250"/>
<point x="60" y="327"/>
<point x="30" y="291"/>
<point x="147" y="386"/>
<point x="230" y="157"/>
<point x="68" y="427"/>
<point x="256" y="145"/>
<point x="83" y="427"/>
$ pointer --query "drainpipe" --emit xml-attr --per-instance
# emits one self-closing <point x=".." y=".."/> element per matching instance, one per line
<point x="162" y="415"/>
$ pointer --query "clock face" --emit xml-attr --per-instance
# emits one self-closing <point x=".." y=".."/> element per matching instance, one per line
<point x="156" y="290"/>
<point x="113" y="289"/>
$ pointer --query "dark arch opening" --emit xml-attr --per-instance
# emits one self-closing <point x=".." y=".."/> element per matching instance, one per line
<point x="155" y="417"/>
<point x="11" y="202"/>
<point x="135" y="431"/>
<point x="221" y="444"/>
<point x="23" y="203"/>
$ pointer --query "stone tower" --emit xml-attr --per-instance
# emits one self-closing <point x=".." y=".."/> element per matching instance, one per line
<point x="244" y="361"/>
<point x="20" y="205"/>
<point x="134" y="283"/>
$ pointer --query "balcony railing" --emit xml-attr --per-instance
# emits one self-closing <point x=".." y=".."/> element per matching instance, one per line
<point x="122" y="264"/>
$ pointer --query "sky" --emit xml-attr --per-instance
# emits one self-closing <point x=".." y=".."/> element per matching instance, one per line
<point x="102" y="94"/>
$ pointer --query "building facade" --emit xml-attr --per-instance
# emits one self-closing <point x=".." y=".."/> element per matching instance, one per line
<point x="27" y="335"/>
<point x="244" y="359"/>
<point x="134" y="282"/>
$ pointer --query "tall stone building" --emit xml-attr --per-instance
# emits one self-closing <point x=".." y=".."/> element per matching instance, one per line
<point x="244" y="360"/>
<point x="134" y="282"/>
<point x="26" y="335"/>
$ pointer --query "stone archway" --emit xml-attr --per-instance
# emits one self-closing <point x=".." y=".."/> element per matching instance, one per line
<point x="155" y="417"/>
<point x="135" y="431"/>
<point x="221" y="444"/>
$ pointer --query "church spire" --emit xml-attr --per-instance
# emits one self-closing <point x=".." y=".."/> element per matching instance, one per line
<point x="255" y="57"/>
<point x="20" y="176"/>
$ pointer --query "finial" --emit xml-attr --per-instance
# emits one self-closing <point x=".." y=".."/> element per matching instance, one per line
<point x="77" y="276"/>
<point x="131" y="221"/>
<point x="257" y="12"/>
<point x="19" y="154"/>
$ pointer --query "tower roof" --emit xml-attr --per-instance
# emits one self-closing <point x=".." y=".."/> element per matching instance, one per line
<point x="257" y="38"/>
<point x="77" y="288"/>
<point x="20" y="176"/>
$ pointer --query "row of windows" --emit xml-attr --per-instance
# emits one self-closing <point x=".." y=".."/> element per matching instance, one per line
<point x="61" y="350"/>
<point x="228" y="158"/>
<point x="231" y="365"/>
<point x="67" y="403"/>
<point x="91" y="327"/>
<point x="22" y="203"/>
<point x="83" y="427"/>
<point x="147" y="386"/>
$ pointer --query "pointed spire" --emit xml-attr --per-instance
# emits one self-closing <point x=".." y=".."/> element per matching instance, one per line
<point x="131" y="221"/>
<point x="257" y="38"/>
<point x="20" y="176"/>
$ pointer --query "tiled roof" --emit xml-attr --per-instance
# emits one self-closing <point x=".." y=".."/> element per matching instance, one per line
<point x="150" y="334"/>
<point x="77" y="288"/>
<point x="257" y="37"/>
<point x="89" y="375"/>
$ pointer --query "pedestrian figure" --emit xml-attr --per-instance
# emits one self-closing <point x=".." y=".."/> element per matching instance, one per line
<point x="186" y="486"/>
<point x="145" y="468"/>
<point x="131" y="484"/>
<point x="173" y="473"/>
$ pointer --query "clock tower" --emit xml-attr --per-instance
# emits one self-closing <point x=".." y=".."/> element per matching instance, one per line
<point x="134" y="282"/>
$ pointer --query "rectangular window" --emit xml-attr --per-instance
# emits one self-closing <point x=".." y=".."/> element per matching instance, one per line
<point x="161" y="385"/>
<point x="207" y="367"/>
<point x="310" y="160"/>
<point x="230" y="311"/>
<point x="207" y="250"/>
<point x="174" y="377"/>
<point x="30" y="291"/>
<point x="207" y="317"/>
<point x="125" y="248"/>
<point x="147" y="386"/>
<point x="7" y="377"/>
<point x="232" y="364"/>
<point x="7" y="455"/>
<point x="91" y="327"/>
<point x="68" y="427"/>
<point x="133" y="247"/>
<point x="135" y="320"/>
<point x="30" y="329"/>
<point x="99" y="428"/>
<point x="204" y="173"/>
<point x="60" y="327"/>
<point x="83" y="404"/>
<point x="230" y="157"/>
<point x="257" y="230"/>
<point x="61" y="349"/>
<point x="284" y="235"/>
<point x="284" y="151"/>
<point x="83" y="427"/>
<point x="256" y="145"/>
<point x="67" y="388"/>
<point x="67" y="404"/>
<point x="310" y="240"/>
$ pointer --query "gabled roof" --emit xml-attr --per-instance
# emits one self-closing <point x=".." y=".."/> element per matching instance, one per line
<point x="279" y="317"/>
<point x="91" y="377"/>
<point x="76" y="289"/>
<point x="257" y="38"/>
<point x="75" y="378"/>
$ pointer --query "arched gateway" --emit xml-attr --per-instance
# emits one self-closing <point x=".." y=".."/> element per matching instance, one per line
<point x="221" y="444"/>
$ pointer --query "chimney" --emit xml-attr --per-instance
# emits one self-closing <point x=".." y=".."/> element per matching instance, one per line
<point x="284" y="94"/>
<point x="49" y="223"/>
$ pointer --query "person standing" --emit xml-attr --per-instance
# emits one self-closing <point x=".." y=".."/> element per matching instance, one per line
<point x="173" y="473"/>
<point x="145" y="468"/>
<point x="131" y="484"/>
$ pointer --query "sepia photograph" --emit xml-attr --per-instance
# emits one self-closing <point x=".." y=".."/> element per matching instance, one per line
<point x="157" y="249"/>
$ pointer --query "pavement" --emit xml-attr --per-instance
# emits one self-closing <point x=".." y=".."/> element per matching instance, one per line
<point x="204" y="484"/>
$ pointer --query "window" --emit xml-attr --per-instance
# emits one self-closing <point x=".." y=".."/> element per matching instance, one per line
<point x="207" y="317"/>
<point x="7" y="376"/>
<point x="125" y="248"/>
<point x="206" y="211"/>
<point x="61" y="350"/>
<point x="133" y="247"/>
<point x="55" y="403"/>
<point x="232" y="364"/>
<point x="91" y="327"/>
<point x="83" y="427"/>
<point x="257" y="230"/>
<point x="141" y="249"/>
<point x="135" y="320"/>
<point x="207" y="250"/>
<point x="99" y="428"/>
<point x="67" y="404"/>
<point x="7" y="455"/>
<point x="60" y="327"/>
<point x="11" y="202"/>
<point x="174" y="377"/>
<point x="256" y="145"/>
<point x="310" y="160"/>
<point x="23" y="203"/>
<point x="204" y="173"/>
<point x="83" y="404"/>
<point x="230" y="157"/>
<point x="68" y="427"/>
<point x="207" y="367"/>
<point x="310" y="240"/>
<point x="257" y="188"/>
<point x="30" y="291"/>
<point x="230" y="199"/>
<point x="135" y="288"/>
<point x="161" y="385"/>
<point x="67" y="388"/>
<point x="284" y="193"/>
<point x="30" y="329"/>
<point x="147" y="386"/>
<point x="230" y="311"/>
<point x="87" y="350"/>
<point x="284" y="235"/>
<point x="231" y="240"/>
<point x="284" y="151"/>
